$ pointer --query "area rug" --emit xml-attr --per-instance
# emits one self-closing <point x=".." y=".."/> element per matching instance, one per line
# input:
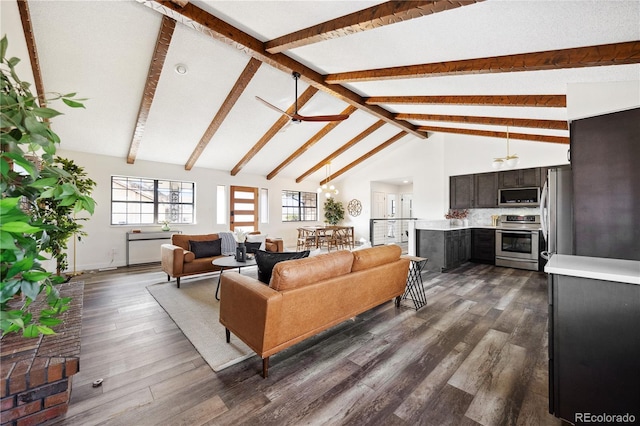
<point x="194" y="308"/>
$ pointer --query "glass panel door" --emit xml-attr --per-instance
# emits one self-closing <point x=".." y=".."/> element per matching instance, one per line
<point x="243" y="213"/>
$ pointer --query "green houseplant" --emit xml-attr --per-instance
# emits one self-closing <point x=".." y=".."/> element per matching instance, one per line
<point x="29" y="178"/>
<point x="333" y="211"/>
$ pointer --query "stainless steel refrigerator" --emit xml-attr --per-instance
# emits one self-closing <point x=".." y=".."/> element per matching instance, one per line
<point x="556" y="212"/>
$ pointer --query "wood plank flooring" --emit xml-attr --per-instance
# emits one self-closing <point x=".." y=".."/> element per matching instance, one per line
<point x="475" y="355"/>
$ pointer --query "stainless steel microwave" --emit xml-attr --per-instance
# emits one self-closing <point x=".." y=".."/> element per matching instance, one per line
<point x="519" y="197"/>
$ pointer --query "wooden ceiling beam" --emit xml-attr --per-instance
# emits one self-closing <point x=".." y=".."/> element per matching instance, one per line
<point x="163" y="41"/>
<point x="378" y="124"/>
<point x="308" y="144"/>
<point x="373" y="17"/>
<point x="577" y="57"/>
<point x="496" y="134"/>
<point x="204" y="22"/>
<point x="547" y="101"/>
<point x="492" y="121"/>
<point x="226" y="107"/>
<point x="278" y="125"/>
<point x="366" y="156"/>
<point x="27" y="29"/>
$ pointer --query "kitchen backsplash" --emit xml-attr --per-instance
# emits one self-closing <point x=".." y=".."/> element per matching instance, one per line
<point x="482" y="217"/>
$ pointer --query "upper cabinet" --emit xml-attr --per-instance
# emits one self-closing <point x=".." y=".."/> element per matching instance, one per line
<point x="485" y="190"/>
<point x="481" y="190"/>
<point x="522" y="178"/>
<point x="461" y="192"/>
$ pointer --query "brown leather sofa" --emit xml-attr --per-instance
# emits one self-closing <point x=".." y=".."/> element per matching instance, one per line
<point x="178" y="261"/>
<point x="307" y="296"/>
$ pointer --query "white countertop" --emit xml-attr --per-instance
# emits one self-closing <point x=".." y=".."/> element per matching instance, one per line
<point x="445" y="225"/>
<point x="598" y="268"/>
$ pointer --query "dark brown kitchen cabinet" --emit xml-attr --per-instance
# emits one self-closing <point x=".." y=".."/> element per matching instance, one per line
<point x="461" y="192"/>
<point x="593" y="348"/>
<point x="521" y="178"/>
<point x="605" y="153"/>
<point x="444" y="249"/>
<point x="483" y="245"/>
<point x="485" y="190"/>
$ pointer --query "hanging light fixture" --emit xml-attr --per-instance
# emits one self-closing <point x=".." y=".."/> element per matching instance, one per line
<point x="327" y="189"/>
<point x="509" y="161"/>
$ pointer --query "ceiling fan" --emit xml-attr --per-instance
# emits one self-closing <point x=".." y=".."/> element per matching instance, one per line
<point x="297" y="118"/>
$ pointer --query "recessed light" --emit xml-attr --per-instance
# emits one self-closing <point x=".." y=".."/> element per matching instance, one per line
<point x="181" y="69"/>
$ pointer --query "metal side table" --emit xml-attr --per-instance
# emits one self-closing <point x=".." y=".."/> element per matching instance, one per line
<point x="415" y="288"/>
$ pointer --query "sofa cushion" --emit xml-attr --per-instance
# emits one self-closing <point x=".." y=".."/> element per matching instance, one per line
<point x="189" y="256"/>
<point x="182" y="240"/>
<point x="205" y="248"/>
<point x="266" y="261"/>
<point x="289" y="275"/>
<point x="379" y="255"/>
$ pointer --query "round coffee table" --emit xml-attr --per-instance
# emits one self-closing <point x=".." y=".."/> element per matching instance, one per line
<point x="230" y="262"/>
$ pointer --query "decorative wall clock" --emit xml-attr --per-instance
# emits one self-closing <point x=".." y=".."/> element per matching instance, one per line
<point x="354" y="207"/>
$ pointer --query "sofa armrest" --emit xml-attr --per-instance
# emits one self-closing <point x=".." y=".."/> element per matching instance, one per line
<point x="274" y="245"/>
<point x="172" y="259"/>
<point x="250" y="310"/>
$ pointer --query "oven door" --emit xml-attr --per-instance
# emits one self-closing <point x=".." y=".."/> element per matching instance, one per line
<point x="517" y="244"/>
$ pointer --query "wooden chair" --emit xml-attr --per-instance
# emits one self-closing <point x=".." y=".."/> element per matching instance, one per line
<point x="306" y="239"/>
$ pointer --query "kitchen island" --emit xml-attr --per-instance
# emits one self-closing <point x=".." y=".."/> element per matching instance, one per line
<point x="594" y="341"/>
<point x="448" y="246"/>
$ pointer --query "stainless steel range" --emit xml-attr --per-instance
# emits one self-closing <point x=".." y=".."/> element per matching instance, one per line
<point x="517" y="241"/>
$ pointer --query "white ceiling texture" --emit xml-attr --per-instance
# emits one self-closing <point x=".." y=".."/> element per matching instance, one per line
<point x="103" y="50"/>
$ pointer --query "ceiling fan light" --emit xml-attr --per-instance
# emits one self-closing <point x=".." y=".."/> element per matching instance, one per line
<point x="336" y="192"/>
<point x="332" y="187"/>
<point x="319" y="190"/>
<point x="327" y="194"/>
<point x="324" y="186"/>
<point x="497" y="163"/>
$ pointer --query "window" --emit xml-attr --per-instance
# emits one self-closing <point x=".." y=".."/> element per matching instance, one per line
<point x="221" y="202"/>
<point x="299" y="206"/>
<point x="142" y="201"/>
<point x="264" y="205"/>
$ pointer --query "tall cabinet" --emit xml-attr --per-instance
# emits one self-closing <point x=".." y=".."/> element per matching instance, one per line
<point x="605" y="160"/>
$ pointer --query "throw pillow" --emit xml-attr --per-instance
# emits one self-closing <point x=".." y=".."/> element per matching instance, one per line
<point x="252" y="247"/>
<point x="257" y="238"/>
<point x="205" y="248"/>
<point x="266" y="260"/>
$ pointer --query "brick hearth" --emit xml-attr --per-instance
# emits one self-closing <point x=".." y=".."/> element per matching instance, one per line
<point x="36" y="373"/>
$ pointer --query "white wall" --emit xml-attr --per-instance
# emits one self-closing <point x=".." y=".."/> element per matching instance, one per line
<point x="96" y="250"/>
<point x="590" y="99"/>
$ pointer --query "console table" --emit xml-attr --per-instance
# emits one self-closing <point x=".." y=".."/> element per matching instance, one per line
<point x="415" y="288"/>
<point x="145" y="236"/>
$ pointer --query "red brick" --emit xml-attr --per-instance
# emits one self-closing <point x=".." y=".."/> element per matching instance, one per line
<point x="61" y="398"/>
<point x="55" y="371"/>
<point x="17" y="384"/>
<point x="21" y="411"/>
<point x="7" y="403"/>
<point x="72" y="366"/>
<point x="4" y="387"/>
<point x="43" y="416"/>
<point x="37" y="372"/>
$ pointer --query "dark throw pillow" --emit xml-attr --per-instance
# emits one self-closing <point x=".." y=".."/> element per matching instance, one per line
<point x="266" y="260"/>
<point x="252" y="247"/>
<point x="205" y="248"/>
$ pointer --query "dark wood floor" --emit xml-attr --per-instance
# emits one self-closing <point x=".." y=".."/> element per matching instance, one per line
<point x="476" y="354"/>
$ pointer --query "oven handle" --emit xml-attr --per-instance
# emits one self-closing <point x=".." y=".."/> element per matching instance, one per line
<point x="500" y="231"/>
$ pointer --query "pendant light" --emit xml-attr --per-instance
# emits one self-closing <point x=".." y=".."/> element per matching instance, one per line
<point x="327" y="189"/>
<point x="510" y="161"/>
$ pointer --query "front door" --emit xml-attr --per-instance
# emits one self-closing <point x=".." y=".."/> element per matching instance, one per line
<point x="243" y="208"/>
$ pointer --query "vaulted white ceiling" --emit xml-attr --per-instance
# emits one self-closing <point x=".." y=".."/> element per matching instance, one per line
<point x="103" y="51"/>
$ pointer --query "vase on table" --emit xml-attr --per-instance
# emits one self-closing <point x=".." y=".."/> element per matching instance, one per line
<point x="165" y="227"/>
<point x="241" y="252"/>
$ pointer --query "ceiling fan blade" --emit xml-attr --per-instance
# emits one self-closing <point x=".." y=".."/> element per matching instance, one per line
<point x="273" y="107"/>
<point x="338" y="117"/>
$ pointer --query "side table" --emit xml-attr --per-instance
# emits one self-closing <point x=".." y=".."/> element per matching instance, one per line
<point x="230" y="262"/>
<point x="415" y="287"/>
